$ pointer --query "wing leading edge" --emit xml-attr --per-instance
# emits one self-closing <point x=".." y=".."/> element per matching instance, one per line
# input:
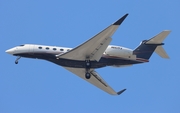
<point x="95" y="80"/>
<point x="94" y="47"/>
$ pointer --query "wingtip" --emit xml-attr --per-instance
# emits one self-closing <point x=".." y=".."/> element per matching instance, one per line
<point x="167" y="30"/>
<point x="120" y="92"/>
<point x="118" y="22"/>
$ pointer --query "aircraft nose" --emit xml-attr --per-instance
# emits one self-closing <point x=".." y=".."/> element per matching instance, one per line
<point x="10" y="51"/>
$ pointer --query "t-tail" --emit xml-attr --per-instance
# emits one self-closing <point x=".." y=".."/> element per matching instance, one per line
<point x="147" y="47"/>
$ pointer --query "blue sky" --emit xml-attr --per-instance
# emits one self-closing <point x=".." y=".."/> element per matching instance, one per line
<point x="40" y="86"/>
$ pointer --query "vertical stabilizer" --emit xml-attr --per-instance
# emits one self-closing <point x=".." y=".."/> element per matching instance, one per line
<point x="147" y="47"/>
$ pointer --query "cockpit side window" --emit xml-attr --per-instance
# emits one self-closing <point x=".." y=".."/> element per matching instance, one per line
<point x="21" y="45"/>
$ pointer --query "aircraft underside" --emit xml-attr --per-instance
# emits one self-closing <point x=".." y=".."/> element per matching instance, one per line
<point x="80" y="64"/>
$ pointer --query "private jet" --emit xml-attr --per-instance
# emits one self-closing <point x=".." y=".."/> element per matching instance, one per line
<point x="95" y="53"/>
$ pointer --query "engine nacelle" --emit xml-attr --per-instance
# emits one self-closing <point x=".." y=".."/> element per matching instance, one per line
<point x="118" y="51"/>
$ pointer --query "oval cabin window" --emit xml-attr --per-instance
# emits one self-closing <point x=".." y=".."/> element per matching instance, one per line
<point x="61" y="49"/>
<point x="40" y="47"/>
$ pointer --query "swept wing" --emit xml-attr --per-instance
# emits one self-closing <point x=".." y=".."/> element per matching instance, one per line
<point x="93" y="49"/>
<point x="95" y="80"/>
<point x="95" y="46"/>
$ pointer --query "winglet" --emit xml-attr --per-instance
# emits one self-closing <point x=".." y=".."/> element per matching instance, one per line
<point x="118" y="22"/>
<point x="120" y="92"/>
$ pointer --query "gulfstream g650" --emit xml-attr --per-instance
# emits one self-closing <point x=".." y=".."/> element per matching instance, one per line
<point x="95" y="53"/>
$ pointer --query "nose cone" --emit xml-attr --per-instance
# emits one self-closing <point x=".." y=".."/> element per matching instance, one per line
<point x="10" y="51"/>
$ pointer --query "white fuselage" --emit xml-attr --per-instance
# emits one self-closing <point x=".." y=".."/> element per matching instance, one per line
<point x="112" y="50"/>
<point x="116" y="56"/>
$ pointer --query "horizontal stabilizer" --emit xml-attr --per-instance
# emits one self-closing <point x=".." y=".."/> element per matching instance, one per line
<point x="161" y="52"/>
<point x="158" y="39"/>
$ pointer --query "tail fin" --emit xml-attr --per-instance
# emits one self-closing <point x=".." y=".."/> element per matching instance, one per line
<point x="147" y="47"/>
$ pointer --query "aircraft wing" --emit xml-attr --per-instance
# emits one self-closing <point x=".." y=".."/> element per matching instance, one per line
<point x="94" y="47"/>
<point x="95" y="80"/>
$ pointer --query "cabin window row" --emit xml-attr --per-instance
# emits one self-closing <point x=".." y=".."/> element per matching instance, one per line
<point x="47" y="48"/>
